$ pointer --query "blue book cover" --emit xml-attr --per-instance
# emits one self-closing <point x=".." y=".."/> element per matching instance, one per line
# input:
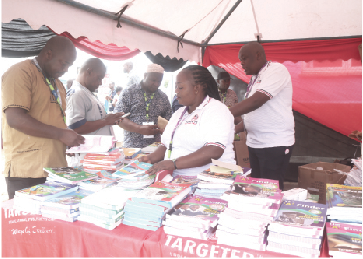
<point x="69" y="201"/>
<point x="133" y="168"/>
<point x="299" y="213"/>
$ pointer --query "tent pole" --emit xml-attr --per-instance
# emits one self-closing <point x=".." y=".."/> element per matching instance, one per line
<point x="124" y="20"/>
<point x="222" y="22"/>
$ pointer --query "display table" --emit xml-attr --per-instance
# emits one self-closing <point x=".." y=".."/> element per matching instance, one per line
<point x="29" y="235"/>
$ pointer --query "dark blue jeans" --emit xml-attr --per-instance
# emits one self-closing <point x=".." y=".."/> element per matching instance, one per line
<point x="270" y="163"/>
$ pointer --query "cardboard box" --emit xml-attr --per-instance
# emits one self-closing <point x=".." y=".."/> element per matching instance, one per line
<point x="315" y="180"/>
<point x="241" y="150"/>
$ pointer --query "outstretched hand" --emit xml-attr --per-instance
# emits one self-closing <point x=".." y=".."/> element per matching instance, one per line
<point x="149" y="130"/>
<point x="114" y="118"/>
<point x="162" y="165"/>
<point x="71" y="138"/>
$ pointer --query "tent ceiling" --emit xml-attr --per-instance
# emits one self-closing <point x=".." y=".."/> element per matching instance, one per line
<point x="277" y="20"/>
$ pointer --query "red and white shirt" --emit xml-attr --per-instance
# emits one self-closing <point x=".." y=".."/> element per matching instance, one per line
<point x="210" y="124"/>
<point x="271" y="125"/>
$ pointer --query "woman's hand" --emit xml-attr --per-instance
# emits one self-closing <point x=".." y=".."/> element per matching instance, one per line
<point x="145" y="159"/>
<point x="162" y="165"/>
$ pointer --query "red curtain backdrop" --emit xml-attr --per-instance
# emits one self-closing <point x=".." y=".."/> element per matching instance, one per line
<point x="100" y="50"/>
<point x="326" y="77"/>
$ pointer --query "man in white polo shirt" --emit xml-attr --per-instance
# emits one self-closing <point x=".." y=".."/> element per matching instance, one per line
<point x="267" y="114"/>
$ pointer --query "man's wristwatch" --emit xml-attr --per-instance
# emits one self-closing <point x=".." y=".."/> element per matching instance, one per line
<point x="174" y="160"/>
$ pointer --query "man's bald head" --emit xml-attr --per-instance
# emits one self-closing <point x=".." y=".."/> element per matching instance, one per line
<point x="91" y="73"/>
<point x="252" y="57"/>
<point x="57" y="56"/>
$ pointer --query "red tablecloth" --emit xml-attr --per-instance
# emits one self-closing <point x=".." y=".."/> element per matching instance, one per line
<point x="28" y="235"/>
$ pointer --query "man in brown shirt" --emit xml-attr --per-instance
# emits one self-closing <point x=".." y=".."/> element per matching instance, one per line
<point x="35" y="134"/>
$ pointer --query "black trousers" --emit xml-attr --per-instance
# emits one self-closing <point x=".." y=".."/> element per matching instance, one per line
<point x="270" y="163"/>
<point x="18" y="183"/>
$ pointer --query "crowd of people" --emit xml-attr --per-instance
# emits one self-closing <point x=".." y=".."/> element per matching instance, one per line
<point x="42" y="117"/>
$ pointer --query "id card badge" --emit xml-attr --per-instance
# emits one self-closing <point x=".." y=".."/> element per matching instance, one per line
<point x="148" y="123"/>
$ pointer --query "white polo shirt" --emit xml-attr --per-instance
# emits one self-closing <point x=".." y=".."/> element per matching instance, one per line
<point x="271" y="125"/>
<point x="210" y="124"/>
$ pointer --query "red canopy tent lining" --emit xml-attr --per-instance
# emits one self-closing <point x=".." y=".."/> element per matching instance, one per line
<point x="335" y="102"/>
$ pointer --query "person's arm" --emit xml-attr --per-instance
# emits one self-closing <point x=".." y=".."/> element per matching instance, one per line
<point x="154" y="157"/>
<point x="240" y="127"/>
<point x="250" y="104"/>
<point x="20" y="120"/>
<point x="237" y="120"/>
<point x="91" y="126"/>
<point x="201" y="157"/>
<point x="131" y="126"/>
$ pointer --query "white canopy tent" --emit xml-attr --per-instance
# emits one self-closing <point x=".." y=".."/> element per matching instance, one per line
<point x="156" y="25"/>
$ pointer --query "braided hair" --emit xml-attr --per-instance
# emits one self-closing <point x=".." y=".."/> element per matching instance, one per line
<point x="202" y="76"/>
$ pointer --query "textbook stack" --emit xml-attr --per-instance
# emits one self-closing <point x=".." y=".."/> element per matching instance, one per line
<point x="133" y="175"/>
<point x="30" y="199"/>
<point x="297" y="229"/>
<point x="195" y="217"/>
<point x="183" y="179"/>
<point x="254" y="202"/>
<point x="354" y="177"/>
<point x="344" y="240"/>
<point x="64" y="207"/>
<point x="344" y="203"/>
<point x="68" y="175"/>
<point x="105" y="208"/>
<point x="103" y="180"/>
<point x="110" y="161"/>
<point x="148" y="208"/>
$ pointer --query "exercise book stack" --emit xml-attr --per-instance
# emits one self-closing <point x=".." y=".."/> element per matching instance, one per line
<point x="344" y="203"/>
<point x="68" y="175"/>
<point x="110" y="161"/>
<point x="147" y="209"/>
<point x="134" y="176"/>
<point x="217" y="179"/>
<point x="30" y="199"/>
<point x="297" y="229"/>
<point x="252" y="205"/>
<point x="344" y="240"/>
<point x="64" y="207"/>
<point x="105" y="208"/>
<point x="195" y="217"/>
<point x="103" y="180"/>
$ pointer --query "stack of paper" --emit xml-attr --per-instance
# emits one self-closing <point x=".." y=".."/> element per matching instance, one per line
<point x="94" y="144"/>
<point x="133" y="175"/>
<point x="354" y="177"/>
<point x="218" y="179"/>
<point x="104" y="179"/>
<point x="344" y="203"/>
<point x="29" y="199"/>
<point x="105" y="208"/>
<point x="111" y="161"/>
<point x="64" y="207"/>
<point x="147" y="209"/>
<point x="254" y="202"/>
<point x="195" y="217"/>
<point x="297" y="229"/>
<point x="68" y="175"/>
<point x="344" y="240"/>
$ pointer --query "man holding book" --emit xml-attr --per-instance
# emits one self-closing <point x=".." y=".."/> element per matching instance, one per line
<point x="267" y="114"/>
<point x="85" y="113"/>
<point x="35" y="134"/>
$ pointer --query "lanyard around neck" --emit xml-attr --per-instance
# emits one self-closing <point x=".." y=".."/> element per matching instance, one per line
<point x="224" y="96"/>
<point x="176" y="126"/>
<point x="147" y="102"/>
<point x="252" y="82"/>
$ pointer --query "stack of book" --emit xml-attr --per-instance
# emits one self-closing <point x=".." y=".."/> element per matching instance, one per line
<point x="297" y="229"/>
<point x="195" y="217"/>
<point x="130" y="154"/>
<point x="68" y="175"/>
<point x="148" y="208"/>
<point x="183" y="179"/>
<point x="254" y="202"/>
<point x="344" y="203"/>
<point x="354" y="177"/>
<point x="344" y="240"/>
<point x="64" y="207"/>
<point x="110" y="161"/>
<point x="105" y="208"/>
<point x="134" y="176"/>
<point x="103" y="180"/>
<point x="30" y="199"/>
